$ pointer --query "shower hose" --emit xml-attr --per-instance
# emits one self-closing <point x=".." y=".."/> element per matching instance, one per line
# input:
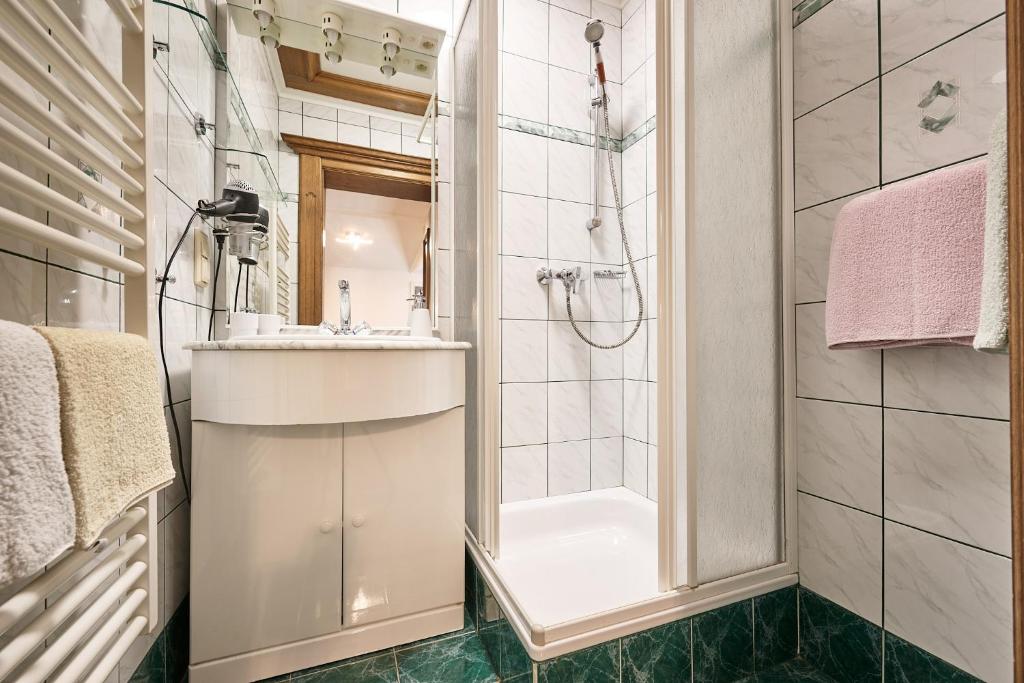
<point x="625" y="244"/>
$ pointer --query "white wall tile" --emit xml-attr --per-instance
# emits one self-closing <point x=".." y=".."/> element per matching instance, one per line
<point x="836" y="147"/>
<point x="353" y="135"/>
<point x="566" y="46"/>
<point x="634" y="411"/>
<point x="635" y="354"/>
<point x="652" y="472"/>
<point x="633" y="183"/>
<point x="633" y="44"/>
<point x="813" y="229"/>
<point x="634" y="464"/>
<point x="524" y="351"/>
<point x="950" y="476"/>
<point x="839" y="452"/>
<point x="521" y="295"/>
<point x="606" y="363"/>
<point x="522" y="157"/>
<point x="523" y="414"/>
<point x="951" y="600"/>
<point x="577" y="6"/>
<point x="524" y="225"/>
<point x="321" y="129"/>
<point x="847" y="375"/>
<point x="568" y="467"/>
<point x="568" y="237"/>
<point x="606" y="299"/>
<point x="524" y="88"/>
<point x="609" y="13"/>
<point x="606" y="408"/>
<point x="24" y="282"/>
<point x="386" y="141"/>
<point x="525" y="28"/>
<point x="568" y="171"/>
<point x="841" y="555"/>
<point x="290" y="123"/>
<point x="910" y="27"/>
<point x="976" y="63"/>
<point x="319" y="111"/>
<point x="948" y="380"/>
<point x="652" y="412"/>
<point x="834" y="51"/>
<point x="569" y="95"/>
<point x="568" y="355"/>
<point x="568" y="411"/>
<point x="606" y="463"/>
<point x="524" y="473"/>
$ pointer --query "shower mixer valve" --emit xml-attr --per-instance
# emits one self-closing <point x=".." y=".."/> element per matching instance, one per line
<point x="570" y="277"/>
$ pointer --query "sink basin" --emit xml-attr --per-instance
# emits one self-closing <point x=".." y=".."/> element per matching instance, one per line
<point x="331" y="337"/>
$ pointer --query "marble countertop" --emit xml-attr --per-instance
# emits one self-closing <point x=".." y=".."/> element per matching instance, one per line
<point x="328" y="343"/>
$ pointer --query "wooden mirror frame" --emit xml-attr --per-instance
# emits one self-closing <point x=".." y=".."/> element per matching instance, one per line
<point x="1015" y="190"/>
<point x="325" y="165"/>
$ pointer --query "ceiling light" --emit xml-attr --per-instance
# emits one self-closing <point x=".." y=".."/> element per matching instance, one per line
<point x="354" y="240"/>
<point x="387" y="67"/>
<point x="391" y="40"/>
<point x="332" y="26"/>
<point x="264" y="11"/>
<point x="334" y="53"/>
<point x="271" y="36"/>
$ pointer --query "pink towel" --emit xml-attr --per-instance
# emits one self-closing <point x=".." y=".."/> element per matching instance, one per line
<point x="906" y="263"/>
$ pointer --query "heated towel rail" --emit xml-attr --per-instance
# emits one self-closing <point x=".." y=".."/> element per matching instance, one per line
<point x="79" y="131"/>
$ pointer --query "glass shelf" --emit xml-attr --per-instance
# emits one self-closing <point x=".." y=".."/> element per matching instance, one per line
<point x="238" y="141"/>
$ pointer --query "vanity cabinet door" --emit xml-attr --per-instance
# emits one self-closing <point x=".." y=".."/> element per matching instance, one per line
<point x="266" y="536"/>
<point x="404" y="516"/>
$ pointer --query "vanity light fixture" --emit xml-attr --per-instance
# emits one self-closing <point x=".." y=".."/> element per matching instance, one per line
<point x="390" y="40"/>
<point x="354" y="240"/>
<point x="271" y="36"/>
<point x="333" y="52"/>
<point x="387" y="67"/>
<point x="264" y="11"/>
<point x="332" y="26"/>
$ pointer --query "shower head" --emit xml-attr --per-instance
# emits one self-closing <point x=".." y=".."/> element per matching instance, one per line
<point x="594" y="31"/>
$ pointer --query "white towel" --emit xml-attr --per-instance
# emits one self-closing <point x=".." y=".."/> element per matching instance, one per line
<point x="112" y="423"/>
<point x="994" y="314"/>
<point x="37" y="515"/>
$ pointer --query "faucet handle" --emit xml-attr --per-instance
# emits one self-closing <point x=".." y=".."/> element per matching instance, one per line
<point x="343" y="285"/>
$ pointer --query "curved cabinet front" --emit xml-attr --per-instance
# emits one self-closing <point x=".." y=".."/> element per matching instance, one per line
<point x="324" y="386"/>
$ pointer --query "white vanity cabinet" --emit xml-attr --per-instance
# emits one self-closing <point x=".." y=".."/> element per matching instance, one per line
<point x="321" y="532"/>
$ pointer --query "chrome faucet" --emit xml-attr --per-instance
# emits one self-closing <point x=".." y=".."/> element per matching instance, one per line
<point x="345" y="298"/>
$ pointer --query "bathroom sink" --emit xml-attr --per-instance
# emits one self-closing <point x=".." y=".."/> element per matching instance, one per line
<point x="330" y="337"/>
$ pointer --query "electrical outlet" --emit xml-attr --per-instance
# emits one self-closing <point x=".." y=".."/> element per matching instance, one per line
<point x="201" y="254"/>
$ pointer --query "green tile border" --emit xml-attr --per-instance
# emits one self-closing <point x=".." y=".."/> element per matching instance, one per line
<point x="578" y="137"/>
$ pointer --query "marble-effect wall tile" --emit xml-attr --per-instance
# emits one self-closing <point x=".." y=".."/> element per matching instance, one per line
<point x="848" y="375"/>
<point x="839" y="452"/>
<point x="911" y="27"/>
<point x="976" y="64"/>
<point x="950" y="476"/>
<point x="836" y="147"/>
<point x="813" y="241"/>
<point x="568" y="467"/>
<point x="523" y="473"/>
<point x="834" y="51"/>
<point x="948" y="380"/>
<point x="841" y="555"/>
<point x="952" y="600"/>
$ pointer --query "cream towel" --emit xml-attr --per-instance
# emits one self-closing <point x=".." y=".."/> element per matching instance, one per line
<point x="994" y="314"/>
<point x="37" y="516"/>
<point x="112" y="423"/>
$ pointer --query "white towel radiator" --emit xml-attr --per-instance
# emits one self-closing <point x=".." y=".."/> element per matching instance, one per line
<point x="75" y="620"/>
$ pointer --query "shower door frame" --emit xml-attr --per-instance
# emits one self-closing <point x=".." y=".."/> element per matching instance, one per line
<point x="682" y="595"/>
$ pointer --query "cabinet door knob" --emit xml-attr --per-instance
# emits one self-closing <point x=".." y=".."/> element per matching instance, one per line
<point x="326" y="526"/>
<point x="358" y="520"/>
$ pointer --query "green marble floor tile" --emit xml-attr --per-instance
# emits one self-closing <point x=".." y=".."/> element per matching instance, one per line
<point x="723" y="647"/>
<point x="907" y="663"/>
<point x="838" y="642"/>
<point x="152" y="668"/>
<point x="453" y="660"/>
<point x="795" y="671"/>
<point x="658" y="655"/>
<point x="598" y="664"/>
<point x="176" y="634"/>
<point x="380" y="668"/>
<point x="514" y="660"/>
<point x="775" y="628"/>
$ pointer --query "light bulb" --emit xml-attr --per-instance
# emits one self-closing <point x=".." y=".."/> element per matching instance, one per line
<point x="264" y="11"/>
<point x="390" y="40"/>
<point x="271" y="36"/>
<point x="332" y="26"/>
<point x="333" y="53"/>
<point x="387" y="68"/>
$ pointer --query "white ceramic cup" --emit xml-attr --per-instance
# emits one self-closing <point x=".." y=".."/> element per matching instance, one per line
<point x="270" y="323"/>
<point x="244" y="324"/>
